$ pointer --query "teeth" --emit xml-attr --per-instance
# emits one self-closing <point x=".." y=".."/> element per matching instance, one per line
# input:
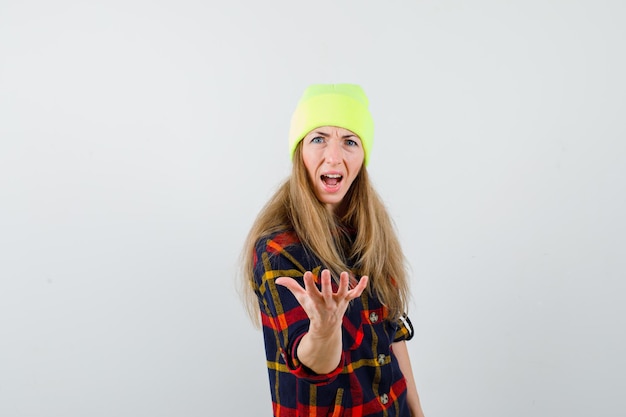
<point x="333" y="176"/>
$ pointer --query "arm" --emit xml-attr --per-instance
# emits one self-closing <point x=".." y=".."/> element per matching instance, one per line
<point x="320" y="349"/>
<point x="402" y="355"/>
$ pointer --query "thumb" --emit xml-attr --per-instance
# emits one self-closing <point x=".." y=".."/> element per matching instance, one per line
<point x="291" y="284"/>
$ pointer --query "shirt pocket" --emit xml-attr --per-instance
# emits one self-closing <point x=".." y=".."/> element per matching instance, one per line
<point x="375" y="319"/>
<point x="375" y="316"/>
<point x="356" y="319"/>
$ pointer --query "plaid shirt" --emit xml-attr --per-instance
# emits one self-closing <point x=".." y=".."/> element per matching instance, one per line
<point x="368" y="380"/>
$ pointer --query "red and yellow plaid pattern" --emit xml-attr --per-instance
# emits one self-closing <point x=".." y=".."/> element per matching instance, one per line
<point x="367" y="382"/>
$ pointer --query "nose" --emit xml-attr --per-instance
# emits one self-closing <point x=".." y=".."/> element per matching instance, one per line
<point x="332" y="153"/>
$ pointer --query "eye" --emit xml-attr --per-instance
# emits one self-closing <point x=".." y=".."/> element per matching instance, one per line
<point x="317" y="139"/>
<point x="351" y="142"/>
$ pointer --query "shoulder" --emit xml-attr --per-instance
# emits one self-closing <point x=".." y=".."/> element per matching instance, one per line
<point x="277" y="242"/>
<point x="283" y="251"/>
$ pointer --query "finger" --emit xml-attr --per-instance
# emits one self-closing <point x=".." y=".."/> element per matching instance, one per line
<point x="292" y="285"/>
<point x="309" y="284"/>
<point x="344" y="283"/>
<point x="358" y="290"/>
<point x="327" y="288"/>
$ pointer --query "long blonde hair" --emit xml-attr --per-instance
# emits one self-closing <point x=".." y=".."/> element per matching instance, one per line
<point x="375" y="251"/>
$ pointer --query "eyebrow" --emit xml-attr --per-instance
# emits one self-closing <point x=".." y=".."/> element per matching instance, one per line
<point x="327" y="135"/>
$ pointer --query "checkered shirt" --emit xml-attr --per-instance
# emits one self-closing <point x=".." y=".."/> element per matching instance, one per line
<point x="367" y="381"/>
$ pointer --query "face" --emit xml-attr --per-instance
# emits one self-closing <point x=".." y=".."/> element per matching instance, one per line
<point x="333" y="157"/>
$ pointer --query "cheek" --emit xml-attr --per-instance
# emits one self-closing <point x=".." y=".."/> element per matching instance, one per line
<point x="310" y="168"/>
<point x="356" y="158"/>
<point x="355" y="166"/>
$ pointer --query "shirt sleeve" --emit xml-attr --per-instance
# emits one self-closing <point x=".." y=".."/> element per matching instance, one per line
<point x="405" y="329"/>
<point x="281" y="313"/>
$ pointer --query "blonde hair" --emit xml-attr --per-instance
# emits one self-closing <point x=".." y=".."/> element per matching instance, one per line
<point x="375" y="251"/>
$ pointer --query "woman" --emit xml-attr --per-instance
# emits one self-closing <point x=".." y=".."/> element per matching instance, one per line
<point x="335" y="344"/>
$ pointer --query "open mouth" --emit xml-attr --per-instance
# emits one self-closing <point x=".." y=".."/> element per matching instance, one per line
<point x="332" y="180"/>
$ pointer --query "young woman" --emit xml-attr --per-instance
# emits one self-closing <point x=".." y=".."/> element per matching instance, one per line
<point x="324" y="266"/>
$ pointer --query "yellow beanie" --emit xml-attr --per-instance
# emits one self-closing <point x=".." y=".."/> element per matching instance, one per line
<point x="341" y="105"/>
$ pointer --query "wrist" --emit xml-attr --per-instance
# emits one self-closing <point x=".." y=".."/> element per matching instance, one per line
<point x="323" y="333"/>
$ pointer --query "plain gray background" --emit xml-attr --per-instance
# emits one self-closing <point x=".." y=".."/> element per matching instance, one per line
<point x="138" y="140"/>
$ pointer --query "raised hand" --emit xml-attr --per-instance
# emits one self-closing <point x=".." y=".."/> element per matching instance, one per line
<point x="320" y="348"/>
<point x="324" y="308"/>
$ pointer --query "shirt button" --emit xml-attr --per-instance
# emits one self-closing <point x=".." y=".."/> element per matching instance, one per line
<point x="384" y="399"/>
<point x="381" y="359"/>
<point x="373" y="317"/>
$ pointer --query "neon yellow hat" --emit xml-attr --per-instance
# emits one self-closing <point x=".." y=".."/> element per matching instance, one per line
<point x="341" y="105"/>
